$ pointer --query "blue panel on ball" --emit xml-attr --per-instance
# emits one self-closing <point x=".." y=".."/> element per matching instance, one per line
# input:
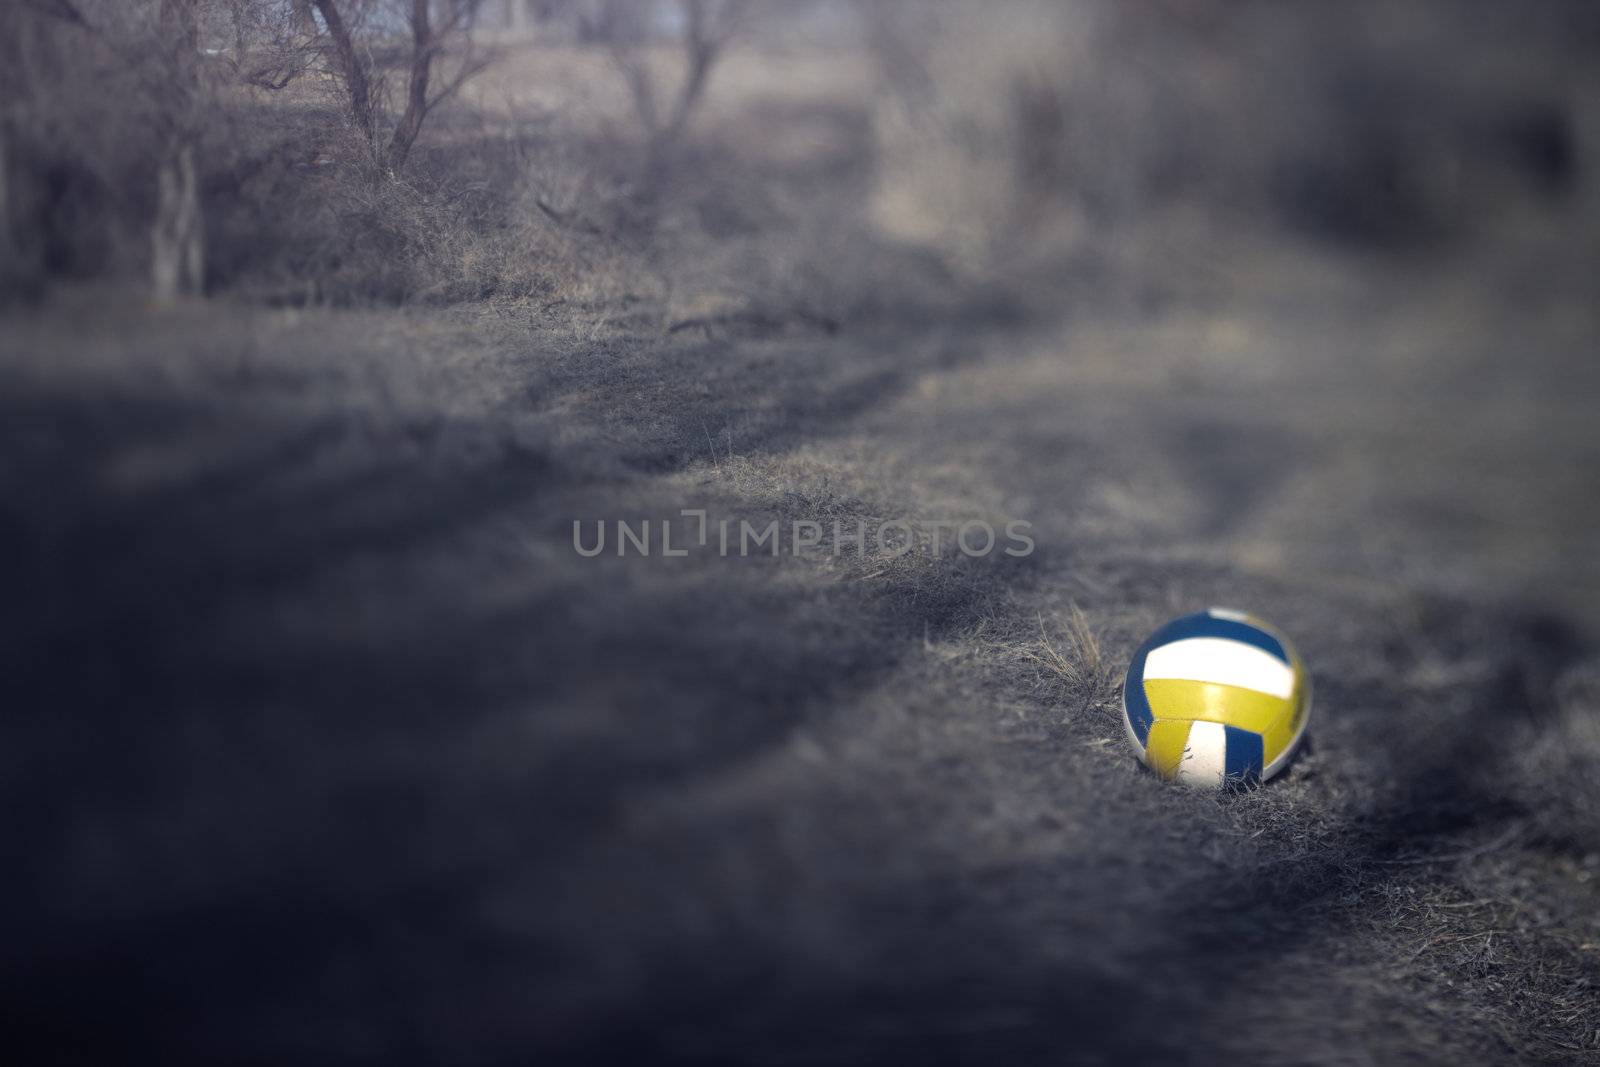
<point x="1245" y="756"/>
<point x="1134" y="701"/>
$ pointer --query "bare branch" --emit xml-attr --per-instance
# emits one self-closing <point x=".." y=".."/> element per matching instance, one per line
<point x="471" y="67"/>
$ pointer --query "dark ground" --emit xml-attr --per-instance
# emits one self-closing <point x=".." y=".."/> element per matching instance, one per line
<point x="325" y="746"/>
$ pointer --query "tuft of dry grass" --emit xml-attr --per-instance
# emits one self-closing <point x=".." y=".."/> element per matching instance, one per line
<point x="1082" y="665"/>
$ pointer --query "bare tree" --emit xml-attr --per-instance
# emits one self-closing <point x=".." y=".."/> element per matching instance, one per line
<point x="177" y="232"/>
<point x="430" y="39"/>
<point x="141" y="62"/>
<point x="706" y="28"/>
<point x="274" y="42"/>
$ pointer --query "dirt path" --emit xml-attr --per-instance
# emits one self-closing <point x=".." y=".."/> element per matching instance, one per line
<point x="339" y="698"/>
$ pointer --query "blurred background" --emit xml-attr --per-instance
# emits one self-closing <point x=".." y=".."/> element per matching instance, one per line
<point x="322" y="321"/>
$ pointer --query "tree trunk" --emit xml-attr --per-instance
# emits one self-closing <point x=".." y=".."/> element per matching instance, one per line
<point x="177" y="237"/>
<point x="19" y="264"/>
<point x="8" y="251"/>
<point x="357" y="86"/>
<point x="701" y="47"/>
<point x="422" y="48"/>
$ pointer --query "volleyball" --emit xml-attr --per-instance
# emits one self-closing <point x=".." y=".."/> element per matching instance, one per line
<point x="1215" y="699"/>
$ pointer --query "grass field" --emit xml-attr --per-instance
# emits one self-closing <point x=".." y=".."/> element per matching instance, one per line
<point x="300" y="614"/>
<point x="325" y="745"/>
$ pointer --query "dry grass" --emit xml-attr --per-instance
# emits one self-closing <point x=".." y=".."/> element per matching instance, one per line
<point x="852" y="768"/>
<point x="1083" y="667"/>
